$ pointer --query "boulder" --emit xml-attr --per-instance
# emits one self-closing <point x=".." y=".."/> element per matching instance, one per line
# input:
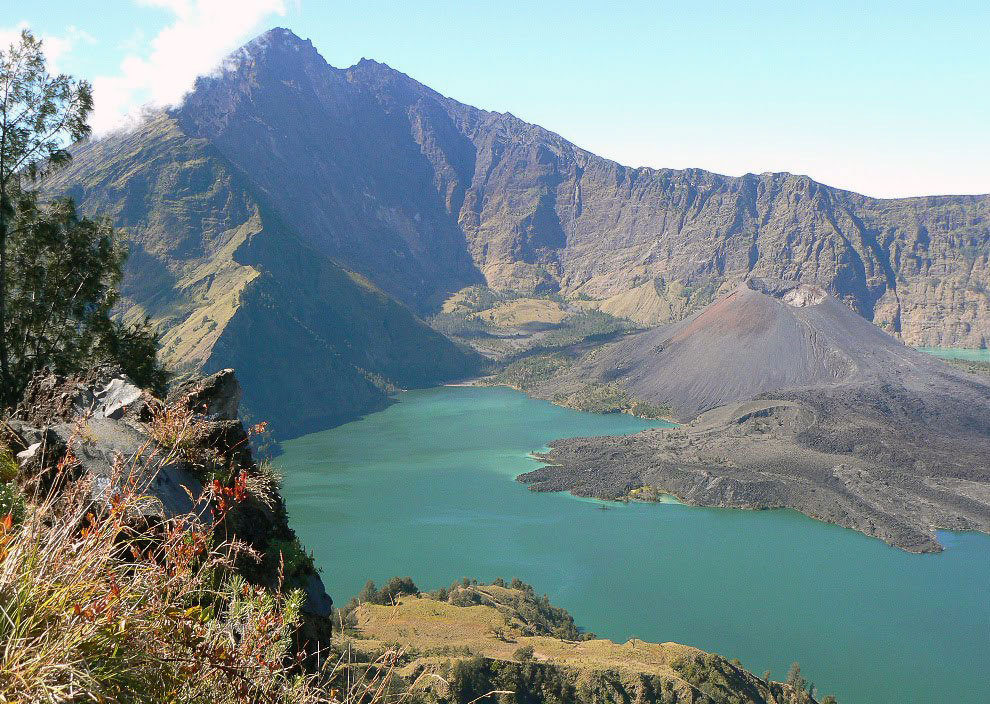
<point x="113" y="399"/>
<point x="318" y="602"/>
<point x="217" y="396"/>
<point x="111" y="452"/>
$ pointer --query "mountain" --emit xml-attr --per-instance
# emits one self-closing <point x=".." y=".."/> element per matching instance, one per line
<point x="423" y="195"/>
<point x="232" y="284"/>
<point x="802" y="404"/>
<point x="765" y="336"/>
<point x="393" y="197"/>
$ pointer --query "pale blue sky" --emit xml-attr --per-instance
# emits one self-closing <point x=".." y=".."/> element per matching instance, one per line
<point x="886" y="98"/>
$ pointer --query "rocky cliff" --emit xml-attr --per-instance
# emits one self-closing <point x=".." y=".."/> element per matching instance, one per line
<point x="539" y="213"/>
<point x="421" y="193"/>
<point x="98" y="431"/>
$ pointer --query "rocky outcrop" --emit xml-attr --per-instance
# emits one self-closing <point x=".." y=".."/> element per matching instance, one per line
<point x="100" y="427"/>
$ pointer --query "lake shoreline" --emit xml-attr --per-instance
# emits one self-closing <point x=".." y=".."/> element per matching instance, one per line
<point x="433" y="496"/>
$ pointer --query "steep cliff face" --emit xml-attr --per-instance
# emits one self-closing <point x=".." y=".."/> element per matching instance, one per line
<point x="541" y="213"/>
<point x="336" y="166"/>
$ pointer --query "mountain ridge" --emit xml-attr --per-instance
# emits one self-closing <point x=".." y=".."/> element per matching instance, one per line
<point x="211" y="264"/>
<point x="377" y="175"/>
<point x="526" y="231"/>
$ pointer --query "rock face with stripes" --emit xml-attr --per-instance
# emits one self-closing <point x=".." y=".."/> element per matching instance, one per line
<point x="424" y="194"/>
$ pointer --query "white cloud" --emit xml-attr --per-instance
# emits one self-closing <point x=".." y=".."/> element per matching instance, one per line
<point x="162" y="71"/>
<point x="56" y="47"/>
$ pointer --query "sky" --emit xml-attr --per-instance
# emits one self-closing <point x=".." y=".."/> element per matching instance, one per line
<point x="885" y="98"/>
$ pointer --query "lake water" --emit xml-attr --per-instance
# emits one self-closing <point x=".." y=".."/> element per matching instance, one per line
<point x="425" y="489"/>
<point x="958" y="353"/>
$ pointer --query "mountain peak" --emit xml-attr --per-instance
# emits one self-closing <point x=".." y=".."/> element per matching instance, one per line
<point x="279" y="46"/>
<point x="277" y="38"/>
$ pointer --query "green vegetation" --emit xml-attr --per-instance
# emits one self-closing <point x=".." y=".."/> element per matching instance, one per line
<point x="586" y="326"/>
<point x="527" y="373"/>
<point x="537" y="372"/>
<point x="370" y="594"/>
<point x="11" y="499"/>
<point x="474" y="299"/>
<point x="596" y="398"/>
<point x="471" y="642"/>
<point x="609" y="398"/>
<point x="39" y="114"/>
<point x="973" y="366"/>
<point x="100" y="607"/>
<point x="389" y="593"/>
<point x="459" y="324"/>
<point x="538" y="615"/>
<point x="289" y="557"/>
<point x="486" y="680"/>
<point x="795" y="678"/>
<point x="59" y="274"/>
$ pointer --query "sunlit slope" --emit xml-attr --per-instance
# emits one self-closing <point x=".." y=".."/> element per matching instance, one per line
<point x="492" y="643"/>
<point x="230" y="284"/>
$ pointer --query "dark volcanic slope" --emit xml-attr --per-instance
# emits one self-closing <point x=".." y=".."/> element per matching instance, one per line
<point x="812" y="408"/>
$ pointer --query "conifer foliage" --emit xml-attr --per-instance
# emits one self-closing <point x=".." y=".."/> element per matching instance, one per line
<point x="59" y="272"/>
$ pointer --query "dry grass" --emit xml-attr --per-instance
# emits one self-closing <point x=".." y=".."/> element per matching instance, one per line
<point x="425" y="625"/>
<point x="98" y="604"/>
<point x="524" y="311"/>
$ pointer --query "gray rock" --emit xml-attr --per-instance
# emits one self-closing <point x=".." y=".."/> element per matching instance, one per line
<point x="111" y="452"/>
<point x="318" y="602"/>
<point x="217" y="396"/>
<point x="113" y="399"/>
<point x="25" y="456"/>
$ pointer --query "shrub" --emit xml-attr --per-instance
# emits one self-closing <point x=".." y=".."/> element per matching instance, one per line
<point x="371" y="594"/>
<point x="795" y="678"/>
<point x="524" y="653"/>
<point x="536" y="612"/>
<point x="8" y="465"/>
<point x="294" y="559"/>
<point x="459" y="325"/>
<point x="524" y="374"/>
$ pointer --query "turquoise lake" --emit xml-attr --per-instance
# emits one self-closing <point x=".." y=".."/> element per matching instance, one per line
<point x="958" y="353"/>
<point x="425" y="489"/>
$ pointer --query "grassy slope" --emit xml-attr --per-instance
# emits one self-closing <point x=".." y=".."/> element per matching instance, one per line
<point x="437" y="635"/>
